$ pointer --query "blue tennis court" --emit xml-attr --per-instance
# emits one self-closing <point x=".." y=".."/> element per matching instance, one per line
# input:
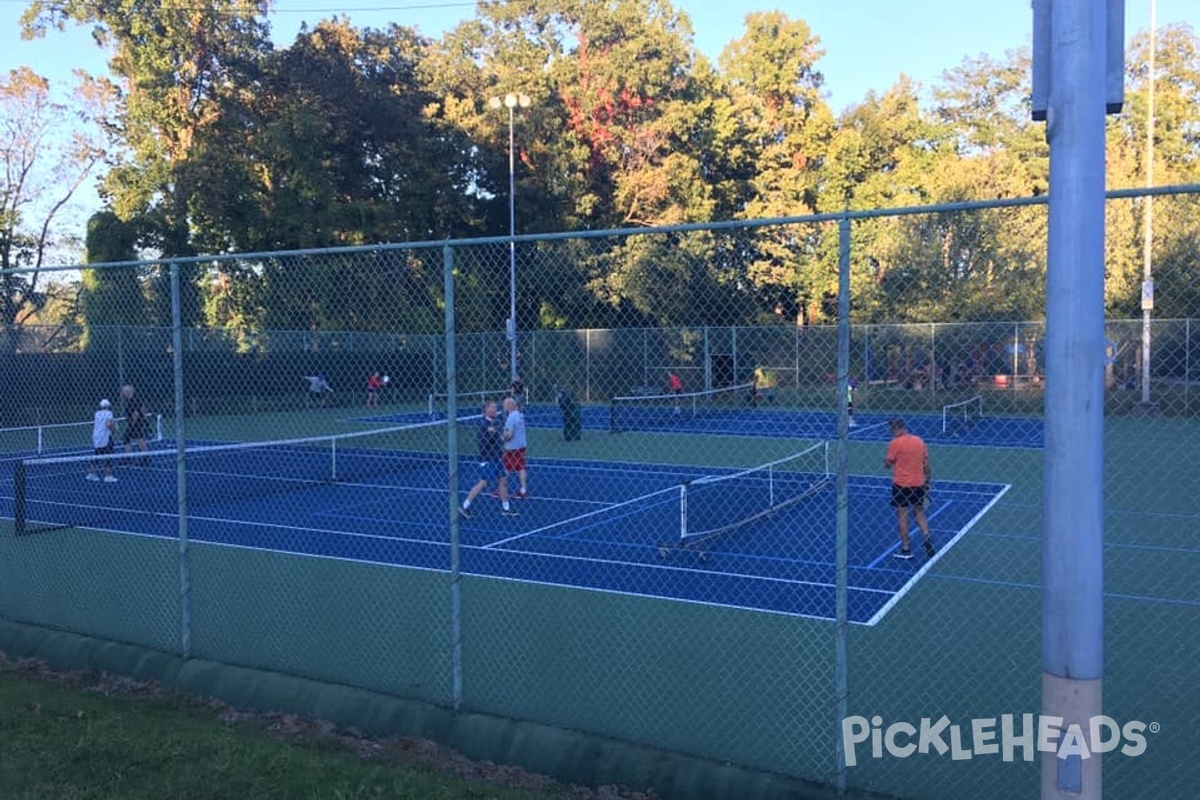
<point x="601" y="526"/>
<point x="951" y="427"/>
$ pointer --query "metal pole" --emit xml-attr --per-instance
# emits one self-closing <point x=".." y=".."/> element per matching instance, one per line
<point x="512" y="251"/>
<point x="1073" y="493"/>
<point x="185" y="579"/>
<point x="842" y="556"/>
<point x="733" y="345"/>
<point x="1148" y="226"/>
<point x="452" y="453"/>
<point x="1187" y="365"/>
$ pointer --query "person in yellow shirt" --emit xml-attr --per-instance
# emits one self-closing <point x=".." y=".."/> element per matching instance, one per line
<point x="908" y="459"/>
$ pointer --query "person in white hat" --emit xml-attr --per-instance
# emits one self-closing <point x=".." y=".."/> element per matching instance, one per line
<point x="103" y="428"/>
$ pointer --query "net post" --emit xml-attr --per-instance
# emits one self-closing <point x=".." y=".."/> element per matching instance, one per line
<point x="19" y="498"/>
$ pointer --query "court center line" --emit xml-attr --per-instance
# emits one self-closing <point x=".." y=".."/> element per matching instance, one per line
<point x="895" y="545"/>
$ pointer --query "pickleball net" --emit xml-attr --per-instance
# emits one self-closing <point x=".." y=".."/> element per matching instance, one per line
<point x="694" y="513"/>
<point x="653" y="411"/>
<point x="439" y="402"/>
<point x="962" y="415"/>
<point x="716" y="506"/>
<point x="53" y="493"/>
<point x="62" y="436"/>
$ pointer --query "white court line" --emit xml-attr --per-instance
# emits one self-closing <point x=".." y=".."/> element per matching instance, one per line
<point x="928" y="518"/>
<point x="898" y="596"/>
<point x="864" y="428"/>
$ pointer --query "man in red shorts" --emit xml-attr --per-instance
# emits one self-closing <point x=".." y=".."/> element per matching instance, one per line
<point x="514" y="445"/>
<point x="908" y="459"/>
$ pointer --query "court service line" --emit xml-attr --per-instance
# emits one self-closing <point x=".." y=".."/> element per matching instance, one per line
<point x="864" y="429"/>
<point x="928" y="565"/>
<point x="607" y="509"/>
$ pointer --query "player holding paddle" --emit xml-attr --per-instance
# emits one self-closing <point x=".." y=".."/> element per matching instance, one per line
<point x="908" y="459"/>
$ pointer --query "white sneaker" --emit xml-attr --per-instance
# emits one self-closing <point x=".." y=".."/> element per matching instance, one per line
<point x="93" y="476"/>
<point x="110" y="478"/>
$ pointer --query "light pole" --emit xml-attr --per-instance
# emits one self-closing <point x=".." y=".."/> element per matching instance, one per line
<point x="511" y="101"/>
<point x="1148" y="230"/>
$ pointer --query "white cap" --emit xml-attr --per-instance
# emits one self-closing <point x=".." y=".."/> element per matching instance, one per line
<point x="105" y="404"/>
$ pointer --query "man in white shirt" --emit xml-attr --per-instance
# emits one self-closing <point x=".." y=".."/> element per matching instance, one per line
<point x="103" y="428"/>
<point x="514" y="445"/>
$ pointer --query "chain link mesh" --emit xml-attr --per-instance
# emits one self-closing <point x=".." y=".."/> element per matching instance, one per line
<point x="670" y="580"/>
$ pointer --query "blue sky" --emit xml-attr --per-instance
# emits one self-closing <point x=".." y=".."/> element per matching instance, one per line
<point x="868" y="43"/>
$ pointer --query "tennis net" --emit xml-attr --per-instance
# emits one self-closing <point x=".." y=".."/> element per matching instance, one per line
<point x="69" y="492"/>
<point x="656" y="411"/>
<point x="59" y="437"/>
<point x="717" y="505"/>
<point x="964" y="414"/>
<point x="439" y="402"/>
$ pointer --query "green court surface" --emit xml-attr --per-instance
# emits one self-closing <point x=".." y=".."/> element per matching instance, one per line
<point x="723" y="683"/>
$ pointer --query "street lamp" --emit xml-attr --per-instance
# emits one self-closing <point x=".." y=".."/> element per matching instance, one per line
<point x="511" y="101"/>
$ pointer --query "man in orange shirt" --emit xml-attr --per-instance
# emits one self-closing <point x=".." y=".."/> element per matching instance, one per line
<point x="908" y="459"/>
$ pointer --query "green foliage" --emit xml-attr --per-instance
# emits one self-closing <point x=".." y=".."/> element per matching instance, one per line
<point x="111" y="296"/>
<point x="352" y="136"/>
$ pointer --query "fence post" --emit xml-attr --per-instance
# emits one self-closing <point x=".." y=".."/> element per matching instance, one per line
<point x="1016" y="354"/>
<point x="645" y="357"/>
<point x="843" y="505"/>
<point x="796" y="356"/>
<point x="935" y="370"/>
<point x="1187" y="366"/>
<point x="185" y="579"/>
<point x="733" y="346"/>
<point x="1072" y="652"/>
<point x="707" y="361"/>
<point x="452" y="453"/>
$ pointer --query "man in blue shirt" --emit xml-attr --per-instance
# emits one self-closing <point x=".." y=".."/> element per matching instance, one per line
<point x="490" y="439"/>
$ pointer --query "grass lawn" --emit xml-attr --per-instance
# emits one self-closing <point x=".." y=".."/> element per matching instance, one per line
<point x="94" y="737"/>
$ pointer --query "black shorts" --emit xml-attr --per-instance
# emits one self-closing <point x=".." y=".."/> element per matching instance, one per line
<point x="908" y="496"/>
<point x="135" y="431"/>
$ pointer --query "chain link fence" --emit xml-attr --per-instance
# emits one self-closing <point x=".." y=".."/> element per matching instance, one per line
<point x="672" y="579"/>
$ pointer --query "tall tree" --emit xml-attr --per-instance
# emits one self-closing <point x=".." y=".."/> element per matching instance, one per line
<point x="169" y="61"/>
<point x="337" y="147"/>
<point x="775" y="88"/>
<point x="40" y="172"/>
<point x="1175" y="150"/>
<point x="112" y="296"/>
